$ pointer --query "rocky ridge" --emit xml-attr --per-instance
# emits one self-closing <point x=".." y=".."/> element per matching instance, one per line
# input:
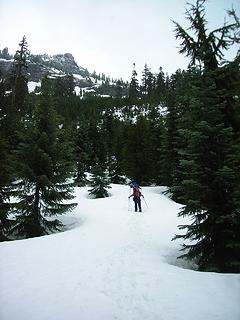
<point x="53" y="66"/>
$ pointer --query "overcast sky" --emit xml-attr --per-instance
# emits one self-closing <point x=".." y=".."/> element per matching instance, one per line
<point x="104" y="35"/>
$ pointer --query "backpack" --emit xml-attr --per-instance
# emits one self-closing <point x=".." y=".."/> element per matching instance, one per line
<point x="134" y="185"/>
<point x="136" y="192"/>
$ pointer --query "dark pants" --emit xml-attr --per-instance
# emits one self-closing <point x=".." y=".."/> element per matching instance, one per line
<point x="137" y="202"/>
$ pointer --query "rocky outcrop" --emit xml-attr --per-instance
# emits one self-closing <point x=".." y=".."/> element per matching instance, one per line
<point x="54" y="66"/>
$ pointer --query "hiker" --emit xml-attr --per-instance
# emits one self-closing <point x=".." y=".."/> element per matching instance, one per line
<point x="136" y="196"/>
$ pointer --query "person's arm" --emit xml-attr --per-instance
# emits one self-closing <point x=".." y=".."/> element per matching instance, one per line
<point x="130" y="196"/>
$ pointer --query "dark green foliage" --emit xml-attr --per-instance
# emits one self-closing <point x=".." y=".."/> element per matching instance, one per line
<point x="154" y="148"/>
<point x="210" y="180"/>
<point x="7" y="165"/>
<point x="19" y="78"/>
<point x="148" y="82"/>
<point x="47" y="166"/>
<point x="115" y="171"/>
<point x="97" y="146"/>
<point x="64" y="86"/>
<point x="2" y="97"/>
<point x="7" y="188"/>
<point x="137" y="158"/>
<point x="119" y="89"/>
<point x="13" y="105"/>
<point x="116" y="158"/>
<point x="177" y="99"/>
<point x="99" y="182"/>
<point x="206" y="49"/>
<point x="160" y="85"/>
<point x="134" y="86"/>
<point x="116" y="90"/>
<point x="81" y="153"/>
<point x="4" y="54"/>
<point x="209" y="184"/>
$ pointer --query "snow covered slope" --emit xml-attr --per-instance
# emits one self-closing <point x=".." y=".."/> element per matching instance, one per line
<point x="113" y="264"/>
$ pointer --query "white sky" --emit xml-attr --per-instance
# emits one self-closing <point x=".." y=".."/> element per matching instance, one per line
<point x="104" y="35"/>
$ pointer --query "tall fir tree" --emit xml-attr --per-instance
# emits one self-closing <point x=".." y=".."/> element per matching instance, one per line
<point x="177" y="97"/>
<point x="160" y="84"/>
<point x="19" y="78"/>
<point x="136" y="157"/>
<point x="148" y="82"/>
<point x="119" y="89"/>
<point x="7" y="160"/>
<point x="44" y="173"/>
<point x="210" y="180"/>
<point x="81" y="142"/>
<point x="15" y="103"/>
<point x="134" y="86"/>
<point x="154" y="143"/>
<point x="99" y="182"/>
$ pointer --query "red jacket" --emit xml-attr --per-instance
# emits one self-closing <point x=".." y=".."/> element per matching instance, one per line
<point x="136" y="193"/>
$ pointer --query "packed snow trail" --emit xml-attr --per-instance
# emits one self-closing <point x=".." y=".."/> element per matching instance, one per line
<point x="114" y="264"/>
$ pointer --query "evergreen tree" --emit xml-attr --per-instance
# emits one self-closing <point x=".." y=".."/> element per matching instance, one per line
<point x="137" y="159"/>
<point x="160" y="85"/>
<point x="170" y="145"/>
<point x="177" y="97"/>
<point x="134" y="86"/>
<point x="119" y="89"/>
<point x="7" y="164"/>
<point x="7" y="188"/>
<point x="5" y="54"/>
<point x="81" y="152"/>
<point x="2" y="97"/>
<point x="15" y="103"/>
<point x="210" y="186"/>
<point x="205" y="49"/>
<point x="97" y="147"/>
<point x="99" y="182"/>
<point x="145" y="72"/>
<point x="115" y="171"/>
<point x="64" y="86"/>
<point x="154" y="147"/>
<point x="46" y="167"/>
<point x="19" y="78"/>
<point x="148" y="82"/>
<point x="210" y="179"/>
<point x="107" y="134"/>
